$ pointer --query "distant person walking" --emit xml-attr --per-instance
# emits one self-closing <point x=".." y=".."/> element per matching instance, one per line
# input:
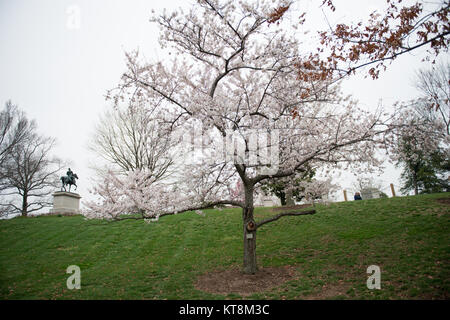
<point x="357" y="196"/>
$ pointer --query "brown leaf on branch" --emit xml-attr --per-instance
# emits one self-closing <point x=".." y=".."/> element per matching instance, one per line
<point x="277" y="14"/>
<point x="400" y="29"/>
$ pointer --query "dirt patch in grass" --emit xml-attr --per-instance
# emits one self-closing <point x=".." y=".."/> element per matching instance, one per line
<point x="444" y="201"/>
<point x="444" y="209"/>
<point x="235" y="281"/>
<point x="330" y="291"/>
<point x="286" y="208"/>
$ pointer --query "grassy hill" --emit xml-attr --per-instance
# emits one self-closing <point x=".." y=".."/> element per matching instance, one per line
<point x="408" y="237"/>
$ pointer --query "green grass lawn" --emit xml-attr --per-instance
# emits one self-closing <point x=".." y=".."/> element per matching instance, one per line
<point x="408" y="237"/>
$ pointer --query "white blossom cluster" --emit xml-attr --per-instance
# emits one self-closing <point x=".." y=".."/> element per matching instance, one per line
<point x="318" y="189"/>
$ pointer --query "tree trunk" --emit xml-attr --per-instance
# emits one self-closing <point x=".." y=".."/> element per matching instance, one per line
<point x="289" y="198"/>
<point x="283" y="198"/>
<point x="416" y="188"/>
<point x="24" y="205"/>
<point x="249" y="226"/>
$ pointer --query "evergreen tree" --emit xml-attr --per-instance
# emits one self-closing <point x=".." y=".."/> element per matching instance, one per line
<point x="423" y="172"/>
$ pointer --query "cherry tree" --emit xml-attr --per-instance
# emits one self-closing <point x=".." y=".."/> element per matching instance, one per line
<point x="234" y="73"/>
<point x="318" y="189"/>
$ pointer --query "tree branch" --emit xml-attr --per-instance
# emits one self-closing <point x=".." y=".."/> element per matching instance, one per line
<point x="200" y="207"/>
<point x="284" y="214"/>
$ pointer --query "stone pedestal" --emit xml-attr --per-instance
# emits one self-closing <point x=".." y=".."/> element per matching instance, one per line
<point x="66" y="203"/>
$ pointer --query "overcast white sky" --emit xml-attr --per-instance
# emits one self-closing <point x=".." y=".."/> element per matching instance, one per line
<point x="58" y="72"/>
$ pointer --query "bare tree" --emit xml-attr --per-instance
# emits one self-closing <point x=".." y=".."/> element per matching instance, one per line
<point x="434" y="86"/>
<point x="29" y="174"/>
<point x="132" y="139"/>
<point x="14" y="130"/>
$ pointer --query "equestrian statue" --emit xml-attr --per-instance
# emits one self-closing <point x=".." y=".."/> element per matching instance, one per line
<point x="69" y="180"/>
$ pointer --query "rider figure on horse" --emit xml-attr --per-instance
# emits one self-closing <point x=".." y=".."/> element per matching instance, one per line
<point x="70" y="176"/>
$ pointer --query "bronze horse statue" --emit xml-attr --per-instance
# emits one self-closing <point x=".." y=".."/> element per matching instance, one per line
<point x="69" y="180"/>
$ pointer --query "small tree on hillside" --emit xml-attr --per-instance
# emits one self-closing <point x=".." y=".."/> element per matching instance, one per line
<point x="421" y="168"/>
<point x="422" y="150"/>
<point x="30" y="174"/>
<point x="317" y="189"/>
<point x="14" y="131"/>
